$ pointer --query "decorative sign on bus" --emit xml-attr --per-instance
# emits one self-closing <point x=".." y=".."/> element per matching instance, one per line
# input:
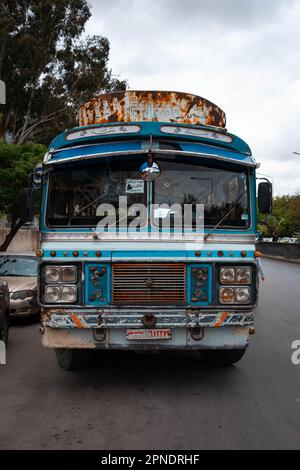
<point x="193" y="132"/>
<point x="106" y="130"/>
<point x="151" y="106"/>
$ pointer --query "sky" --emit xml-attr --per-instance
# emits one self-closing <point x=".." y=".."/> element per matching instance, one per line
<point x="242" y="55"/>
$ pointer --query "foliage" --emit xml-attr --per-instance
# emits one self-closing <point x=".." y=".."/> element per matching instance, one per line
<point x="48" y="66"/>
<point x="16" y="163"/>
<point x="285" y="218"/>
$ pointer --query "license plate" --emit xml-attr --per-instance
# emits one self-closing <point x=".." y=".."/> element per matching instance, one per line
<point x="141" y="334"/>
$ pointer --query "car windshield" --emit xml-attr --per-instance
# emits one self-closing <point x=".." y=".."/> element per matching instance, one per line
<point x="17" y="266"/>
<point x="75" y="192"/>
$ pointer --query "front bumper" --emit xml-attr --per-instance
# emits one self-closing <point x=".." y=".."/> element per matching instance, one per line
<point x="220" y="338"/>
<point x="133" y="318"/>
<point x="24" y="308"/>
<point x="106" y="329"/>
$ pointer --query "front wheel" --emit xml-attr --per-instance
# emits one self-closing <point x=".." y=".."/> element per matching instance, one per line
<point x="71" y="359"/>
<point x="222" y="357"/>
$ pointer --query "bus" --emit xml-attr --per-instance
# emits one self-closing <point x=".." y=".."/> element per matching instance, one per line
<point x="147" y="230"/>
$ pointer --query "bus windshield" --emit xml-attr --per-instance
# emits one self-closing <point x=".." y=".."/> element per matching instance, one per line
<point x="75" y="192"/>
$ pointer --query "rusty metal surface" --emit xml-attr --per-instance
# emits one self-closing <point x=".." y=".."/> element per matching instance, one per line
<point x="149" y="284"/>
<point x="165" y="319"/>
<point x="157" y="106"/>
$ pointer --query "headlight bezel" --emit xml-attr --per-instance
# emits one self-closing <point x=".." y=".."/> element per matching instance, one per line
<point x="60" y="284"/>
<point x="236" y="269"/>
<point x="60" y="288"/>
<point x="235" y="290"/>
<point x="60" y="269"/>
<point x="250" y="284"/>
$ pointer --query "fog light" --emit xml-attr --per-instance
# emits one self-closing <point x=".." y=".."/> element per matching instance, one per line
<point x="149" y="320"/>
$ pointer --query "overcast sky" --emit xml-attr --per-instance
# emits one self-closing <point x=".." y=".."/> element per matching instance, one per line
<point x="243" y="55"/>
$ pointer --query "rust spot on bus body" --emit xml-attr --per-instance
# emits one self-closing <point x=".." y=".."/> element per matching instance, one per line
<point x="155" y="106"/>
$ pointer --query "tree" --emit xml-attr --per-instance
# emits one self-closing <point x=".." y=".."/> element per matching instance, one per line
<point x="48" y="67"/>
<point x="285" y="218"/>
<point x="16" y="163"/>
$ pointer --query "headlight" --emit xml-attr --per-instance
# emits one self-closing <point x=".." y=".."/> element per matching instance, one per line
<point x="242" y="295"/>
<point x="235" y="275"/>
<point x="52" y="274"/>
<point x="234" y="295"/>
<point x="227" y="275"/>
<point x="62" y="294"/>
<point x="226" y="295"/>
<point x="22" y="294"/>
<point x="68" y="274"/>
<point x="69" y="294"/>
<point x="52" y="294"/>
<point x="243" y="275"/>
<point x="61" y="284"/>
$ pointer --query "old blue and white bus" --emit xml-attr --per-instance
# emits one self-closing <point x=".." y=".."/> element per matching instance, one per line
<point x="123" y="265"/>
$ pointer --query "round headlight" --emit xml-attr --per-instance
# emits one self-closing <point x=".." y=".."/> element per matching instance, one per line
<point x="243" y="275"/>
<point x="226" y="295"/>
<point x="52" y="274"/>
<point x="68" y="274"/>
<point x="227" y="275"/>
<point x="242" y="295"/>
<point x="69" y="294"/>
<point x="52" y="294"/>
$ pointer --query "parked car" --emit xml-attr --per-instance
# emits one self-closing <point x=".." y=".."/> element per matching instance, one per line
<point x="20" y="273"/>
<point x="4" y="311"/>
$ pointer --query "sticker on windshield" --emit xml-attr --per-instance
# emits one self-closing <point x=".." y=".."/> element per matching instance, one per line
<point x="244" y="217"/>
<point x="135" y="186"/>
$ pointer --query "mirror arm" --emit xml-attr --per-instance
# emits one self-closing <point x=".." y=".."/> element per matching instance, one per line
<point x="150" y="156"/>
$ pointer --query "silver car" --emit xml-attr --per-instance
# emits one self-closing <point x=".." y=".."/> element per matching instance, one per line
<point x="20" y="273"/>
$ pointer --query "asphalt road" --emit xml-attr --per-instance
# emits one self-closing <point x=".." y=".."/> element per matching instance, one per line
<point x="164" y="401"/>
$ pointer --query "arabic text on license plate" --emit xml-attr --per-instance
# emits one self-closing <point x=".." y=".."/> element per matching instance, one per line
<point x="140" y="334"/>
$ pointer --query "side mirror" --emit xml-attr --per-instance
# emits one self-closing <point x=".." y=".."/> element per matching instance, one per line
<point x="264" y="198"/>
<point x="37" y="176"/>
<point x="27" y="207"/>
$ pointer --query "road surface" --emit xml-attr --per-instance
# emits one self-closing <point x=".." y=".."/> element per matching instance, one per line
<point x="166" y="401"/>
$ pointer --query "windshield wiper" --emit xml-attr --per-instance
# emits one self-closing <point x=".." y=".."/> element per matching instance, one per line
<point x="224" y="217"/>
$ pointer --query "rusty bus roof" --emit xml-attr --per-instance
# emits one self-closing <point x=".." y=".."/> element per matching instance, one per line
<point x="151" y="106"/>
<point x="129" y="120"/>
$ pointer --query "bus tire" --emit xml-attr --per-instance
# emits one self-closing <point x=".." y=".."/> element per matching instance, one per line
<point x="222" y="357"/>
<point x="71" y="359"/>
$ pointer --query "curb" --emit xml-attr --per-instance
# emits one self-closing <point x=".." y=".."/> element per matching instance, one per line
<point x="281" y="258"/>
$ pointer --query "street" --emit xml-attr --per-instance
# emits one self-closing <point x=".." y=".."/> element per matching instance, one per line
<point x="163" y="401"/>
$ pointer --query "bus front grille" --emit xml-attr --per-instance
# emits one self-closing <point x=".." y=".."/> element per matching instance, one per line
<point x="149" y="284"/>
